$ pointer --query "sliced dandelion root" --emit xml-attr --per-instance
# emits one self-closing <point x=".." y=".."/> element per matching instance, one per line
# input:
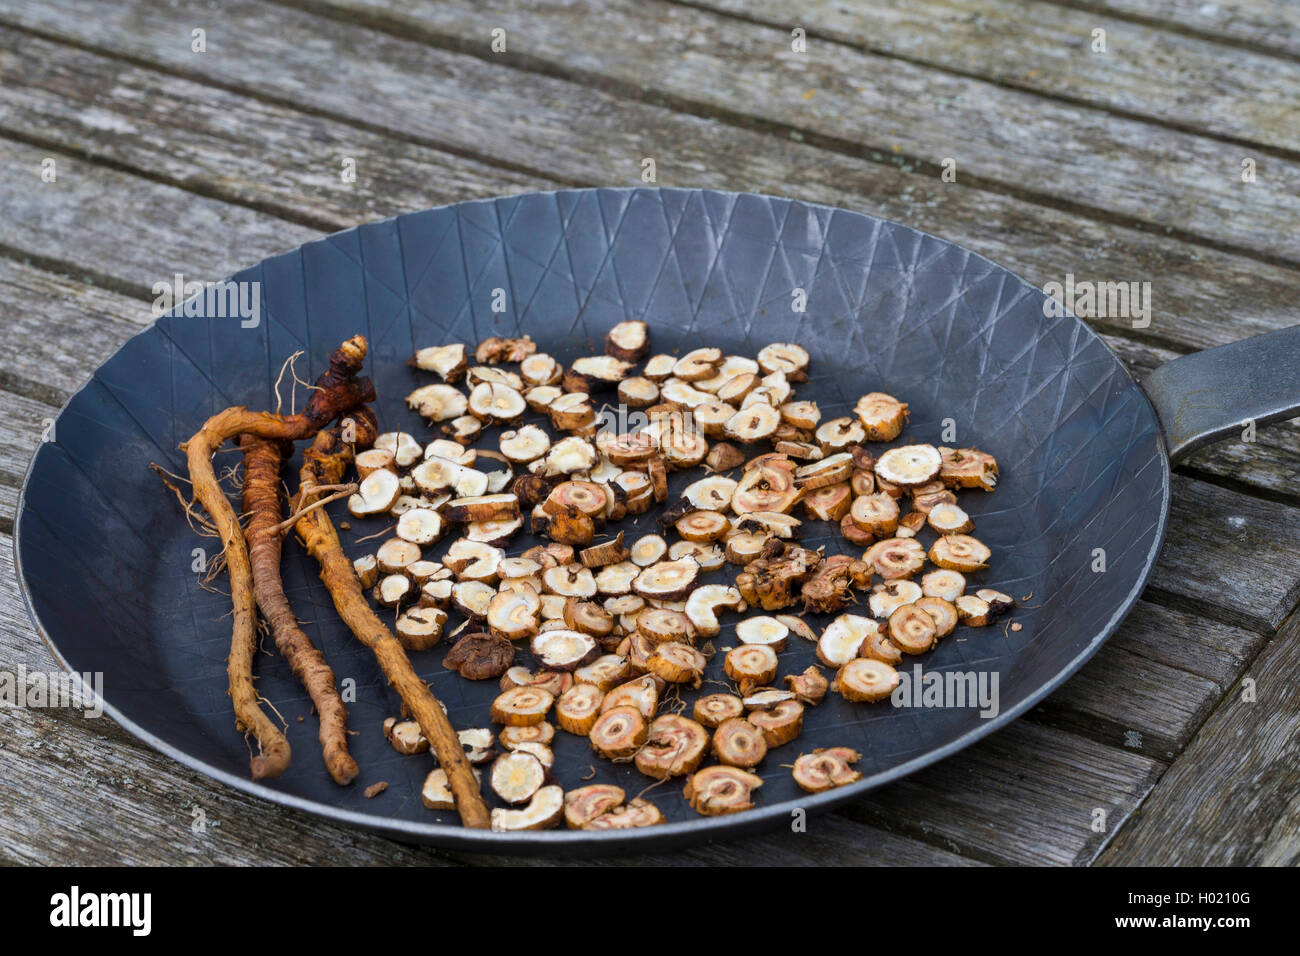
<point x="826" y="768"/>
<point x="338" y="391"/>
<point x="323" y="464"/>
<point x="714" y="791"/>
<point x="261" y="502"/>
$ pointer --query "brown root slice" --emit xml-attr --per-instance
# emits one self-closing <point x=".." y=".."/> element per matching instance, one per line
<point x="337" y="392"/>
<point x="323" y="464"/>
<point x="262" y="462"/>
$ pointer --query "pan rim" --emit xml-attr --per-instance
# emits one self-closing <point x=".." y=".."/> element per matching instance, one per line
<point x="668" y="835"/>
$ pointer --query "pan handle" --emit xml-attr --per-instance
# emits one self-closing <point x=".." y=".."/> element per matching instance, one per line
<point x="1203" y="397"/>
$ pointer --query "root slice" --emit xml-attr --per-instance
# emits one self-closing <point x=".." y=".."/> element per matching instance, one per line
<point x="324" y="464"/>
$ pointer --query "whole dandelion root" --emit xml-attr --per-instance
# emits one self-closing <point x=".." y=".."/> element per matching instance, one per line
<point x="337" y="392"/>
<point x="262" y="463"/>
<point x="323" y="465"/>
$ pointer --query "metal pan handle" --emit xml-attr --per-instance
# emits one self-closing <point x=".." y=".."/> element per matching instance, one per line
<point x="1212" y="394"/>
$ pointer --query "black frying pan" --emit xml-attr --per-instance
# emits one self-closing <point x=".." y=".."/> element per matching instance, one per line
<point x="105" y="556"/>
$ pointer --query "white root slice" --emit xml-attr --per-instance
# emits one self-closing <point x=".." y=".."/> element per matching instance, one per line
<point x="452" y="451"/>
<point x="659" y="367"/>
<point x="762" y="629"/>
<point x="909" y="465"/>
<point x="865" y="679"/>
<point x="563" y="649"/>
<point x="753" y="423"/>
<point x="516" y="776"/>
<point x="570" y="580"/>
<point x="473" y="560"/>
<point x="798" y="625"/>
<point x="945" y="584"/>
<point x="844" y="637"/>
<point x="540" y="397"/>
<point x="786" y="358"/>
<point x="667" y="580"/>
<point x="628" y="340"/>
<point x="704" y="603"/>
<point x="472" y="598"/>
<point x="448" y="361"/>
<point x="494" y="402"/>
<point x="394" y="555"/>
<point x="544" y="811"/>
<point x="421" y="627"/>
<point x="367" y="569"/>
<point x="376" y="494"/>
<point x="438" y="403"/>
<point x="616" y="579"/>
<point x="393" y="589"/>
<point x="436" y="793"/>
<point x="405" y="450"/>
<point x="889" y="596"/>
<point x="710" y="494"/>
<point x="565" y="457"/>
<point x="710" y="557"/>
<point x="646" y="550"/>
<point x="420" y="526"/>
<point x="540" y="369"/>
<point x="524" y="445"/>
<point x="513" y="613"/>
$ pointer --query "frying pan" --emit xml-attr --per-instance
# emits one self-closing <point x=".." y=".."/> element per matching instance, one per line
<point x="106" y="559"/>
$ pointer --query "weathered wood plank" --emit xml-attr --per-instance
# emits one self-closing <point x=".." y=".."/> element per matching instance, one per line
<point x="1048" y="49"/>
<point x="1231" y="797"/>
<point x="1028" y="794"/>
<point x="1234" y="553"/>
<point x="1267" y="24"/>
<point x="80" y="218"/>
<point x="1133" y="702"/>
<point x="567" y="129"/>
<point x="1185" y="641"/>
<point x="222" y="143"/>
<point x="830" y="840"/>
<point x="718" y="66"/>
<point x="66" y="327"/>
<point x="23" y="424"/>
<point x="859" y="102"/>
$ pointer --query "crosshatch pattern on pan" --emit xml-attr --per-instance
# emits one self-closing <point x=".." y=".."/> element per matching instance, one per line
<point x="888" y="308"/>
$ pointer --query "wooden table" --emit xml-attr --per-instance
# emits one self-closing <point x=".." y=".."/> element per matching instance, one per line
<point x="1175" y="744"/>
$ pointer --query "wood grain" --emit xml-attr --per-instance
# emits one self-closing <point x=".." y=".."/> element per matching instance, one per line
<point x="1231" y="798"/>
<point x="1272" y="25"/>
<point x="719" y="68"/>
<point x="1030" y="788"/>
<point x="855" y="101"/>
<point x="583" y="135"/>
<point x="1238" y="94"/>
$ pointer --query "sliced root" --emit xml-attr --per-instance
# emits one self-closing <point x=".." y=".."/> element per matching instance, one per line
<point x="618" y="733"/>
<point x="677" y="663"/>
<point x="578" y="708"/>
<point x="516" y="776"/>
<point x="738" y="743"/>
<point x="960" y="552"/>
<point x="712" y="709"/>
<point x="585" y="804"/>
<point x="826" y="768"/>
<point x="714" y="791"/>
<point x="674" y="747"/>
<point x="865" y="679"/>
<point x="543" y="812"/>
<point x="779" y="724"/>
<point x="809" y="687"/>
<point x="751" y="665"/>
